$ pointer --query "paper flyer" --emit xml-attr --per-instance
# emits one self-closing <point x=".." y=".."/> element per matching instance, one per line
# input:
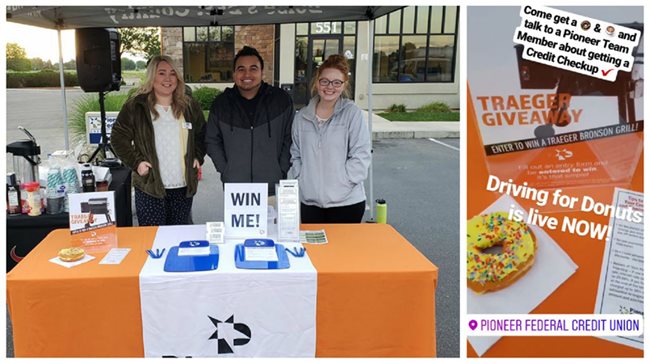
<point x="288" y="211"/>
<point x="620" y="290"/>
<point x="92" y="221"/>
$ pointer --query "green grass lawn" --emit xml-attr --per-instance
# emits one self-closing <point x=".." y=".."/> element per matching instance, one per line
<point x="421" y="116"/>
<point x="139" y="73"/>
<point x="133" y="78"/>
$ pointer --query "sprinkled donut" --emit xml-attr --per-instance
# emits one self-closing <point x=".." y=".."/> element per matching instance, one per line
<point x="492" y="272"/>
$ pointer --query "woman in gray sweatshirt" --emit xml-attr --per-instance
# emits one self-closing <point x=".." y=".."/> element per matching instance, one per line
<point x="330" y="153"/>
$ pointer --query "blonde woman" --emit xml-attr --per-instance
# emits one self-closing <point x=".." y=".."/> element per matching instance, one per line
<point x="330" y="153"/>
<point x="159" y="134"/>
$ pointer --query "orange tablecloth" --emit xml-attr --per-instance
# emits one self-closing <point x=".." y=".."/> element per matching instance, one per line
<point x="575" y="296"/>
<point x="376" y="297"/>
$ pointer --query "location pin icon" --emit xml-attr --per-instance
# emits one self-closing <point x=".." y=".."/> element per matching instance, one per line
<point x="473" y="324"/>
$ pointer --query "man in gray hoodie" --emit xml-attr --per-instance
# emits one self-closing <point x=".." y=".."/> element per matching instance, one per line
<point x="248" y="135"/>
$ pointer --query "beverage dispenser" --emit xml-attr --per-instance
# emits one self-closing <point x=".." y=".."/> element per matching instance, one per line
<point x="26" y="158"/>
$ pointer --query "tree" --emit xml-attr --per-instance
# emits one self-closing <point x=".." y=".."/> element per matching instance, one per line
<point x="17" y="58"/>
<point x="140" y="65"/>
<point x="127" y="64"/>
<point x="70" y="65"/>
<point x="39" y="64"/>
<point x="14" y="50"/>
<point x="140" y="41"/>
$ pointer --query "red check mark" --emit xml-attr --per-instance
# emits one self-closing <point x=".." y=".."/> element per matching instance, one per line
<point x="605" y="73"/>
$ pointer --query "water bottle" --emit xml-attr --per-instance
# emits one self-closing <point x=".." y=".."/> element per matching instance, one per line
<point x="87" y="178"/>
<point x="382" y="211"/>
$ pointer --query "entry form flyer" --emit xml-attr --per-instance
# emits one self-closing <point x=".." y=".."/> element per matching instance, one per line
<point x="620" y="290"/>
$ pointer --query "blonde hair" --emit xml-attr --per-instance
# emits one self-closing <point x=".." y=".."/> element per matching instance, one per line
<point x="338" y="62"/>
<point x="180" y="101"/>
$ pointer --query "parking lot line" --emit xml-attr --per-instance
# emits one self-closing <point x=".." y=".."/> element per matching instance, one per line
<point x="446" y="145"/>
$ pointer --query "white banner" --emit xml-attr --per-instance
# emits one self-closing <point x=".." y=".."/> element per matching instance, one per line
<point x="228" y="311"/>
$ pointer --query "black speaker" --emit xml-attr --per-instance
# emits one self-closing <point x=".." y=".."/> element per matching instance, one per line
<point x="98" y="59"/>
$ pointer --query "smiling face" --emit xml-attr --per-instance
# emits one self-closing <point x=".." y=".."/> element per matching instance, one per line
<point x="165" y="81"/>
<point x="248" y="76"/>
<point x="330" y="92"/>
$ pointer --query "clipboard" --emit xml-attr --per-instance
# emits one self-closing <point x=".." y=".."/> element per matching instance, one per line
<point x="186" y="261"/>
<point x="242" y="263"/>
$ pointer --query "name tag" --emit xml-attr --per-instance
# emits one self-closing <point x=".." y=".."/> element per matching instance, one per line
<point x="187" y="125"/>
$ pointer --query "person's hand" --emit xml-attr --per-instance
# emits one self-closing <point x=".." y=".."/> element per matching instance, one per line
<point x="196" y="164"/>
<point x="143" y="168"/>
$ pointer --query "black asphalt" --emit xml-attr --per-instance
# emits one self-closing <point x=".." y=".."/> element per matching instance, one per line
<point x="419" y="180"/>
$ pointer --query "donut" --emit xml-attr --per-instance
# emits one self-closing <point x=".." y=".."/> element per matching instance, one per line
<point x="492" y="272"/>
<point x="71" y="254"/>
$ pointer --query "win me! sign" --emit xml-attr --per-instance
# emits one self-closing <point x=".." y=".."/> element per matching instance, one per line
<point x="245" y="210"/>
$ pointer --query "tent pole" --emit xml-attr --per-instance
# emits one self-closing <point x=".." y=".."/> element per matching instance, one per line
<point x="62" y="80"/>
<point x="371" y="30"/>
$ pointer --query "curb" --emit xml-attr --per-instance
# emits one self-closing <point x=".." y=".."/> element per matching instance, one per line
<point x="377" y="135"/>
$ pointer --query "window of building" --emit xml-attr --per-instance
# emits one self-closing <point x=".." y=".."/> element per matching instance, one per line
<point x="208" y="53"/>
<point x="416" y="44"/>
<point x="314" y="43"/>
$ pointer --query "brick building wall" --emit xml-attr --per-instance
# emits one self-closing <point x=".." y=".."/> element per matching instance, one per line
<point x="260" y="37"/>
<point x="172" y="45"/>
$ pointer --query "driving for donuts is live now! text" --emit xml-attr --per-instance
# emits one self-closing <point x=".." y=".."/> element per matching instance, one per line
<point x="555" y="325"/>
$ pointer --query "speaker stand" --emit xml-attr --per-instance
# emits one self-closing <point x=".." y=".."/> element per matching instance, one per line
<point x="104" y="146"/>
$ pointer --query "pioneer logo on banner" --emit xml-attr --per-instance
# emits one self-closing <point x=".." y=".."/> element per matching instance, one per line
<point x="245" y="210"/>
<point x="232" y="334"/>
<point x="228" y="335"/>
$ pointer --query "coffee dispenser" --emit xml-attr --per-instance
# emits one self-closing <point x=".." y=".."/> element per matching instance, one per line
<point x="26" y="158"/>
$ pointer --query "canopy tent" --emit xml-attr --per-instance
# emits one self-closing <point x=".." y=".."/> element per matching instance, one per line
<point x="73" y="17"/>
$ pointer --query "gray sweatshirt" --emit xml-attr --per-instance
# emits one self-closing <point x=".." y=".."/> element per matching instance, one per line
<point x="330" y="162"/>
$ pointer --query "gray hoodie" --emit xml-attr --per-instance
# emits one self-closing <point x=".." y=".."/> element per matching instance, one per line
<point x="330" y="162"/>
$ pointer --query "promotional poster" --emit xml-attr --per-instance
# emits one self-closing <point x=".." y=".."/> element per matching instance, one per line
<point x="554" y="175"/>
<point x="92" y="220"/>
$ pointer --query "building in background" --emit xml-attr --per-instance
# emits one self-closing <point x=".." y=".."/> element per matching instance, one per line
<point x="415" y="55"/>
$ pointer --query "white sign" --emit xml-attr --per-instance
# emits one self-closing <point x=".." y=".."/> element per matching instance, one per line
<point x="94" y="125"/>
<point x="288" y="211"/>
<point x="325" y="28"/>
<point x="245" y="210"/>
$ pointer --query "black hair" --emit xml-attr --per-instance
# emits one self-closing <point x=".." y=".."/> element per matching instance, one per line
<point x="248" y="51"/>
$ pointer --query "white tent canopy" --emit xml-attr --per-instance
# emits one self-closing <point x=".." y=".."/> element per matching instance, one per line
<point x="73" y="17"/>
